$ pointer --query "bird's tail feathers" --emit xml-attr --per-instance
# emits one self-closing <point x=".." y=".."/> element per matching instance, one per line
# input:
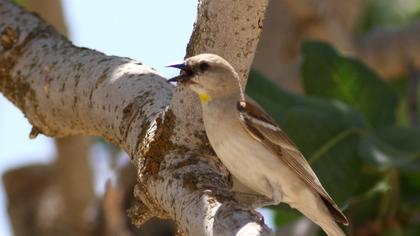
<point x="314" y="208"/>
<point x="332" y="229"/>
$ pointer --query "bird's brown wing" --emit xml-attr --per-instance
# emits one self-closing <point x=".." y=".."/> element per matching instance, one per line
<point x="262" y="127"/>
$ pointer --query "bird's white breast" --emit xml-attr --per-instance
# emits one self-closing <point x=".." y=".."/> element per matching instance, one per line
<point x="246" y="158"/>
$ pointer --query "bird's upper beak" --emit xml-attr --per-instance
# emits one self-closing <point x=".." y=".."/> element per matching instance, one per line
<point x="184" y="76"/>
<point x="181" y="65"/>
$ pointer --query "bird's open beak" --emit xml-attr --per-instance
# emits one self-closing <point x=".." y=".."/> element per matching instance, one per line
<point x="179" y="78"/>
<point x="185" y="74"/>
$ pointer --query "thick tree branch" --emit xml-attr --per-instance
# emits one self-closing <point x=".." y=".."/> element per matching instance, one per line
<point x="231" y="30"/>
<point x="388" y="51"/>
<point x="27" y="206"/>
<point x="65" y="90"/>
<point x="290" y="22"/>
<point x="74" y="182"/>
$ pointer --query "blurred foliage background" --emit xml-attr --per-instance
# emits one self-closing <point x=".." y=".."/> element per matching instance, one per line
<point x="359" y="131"/>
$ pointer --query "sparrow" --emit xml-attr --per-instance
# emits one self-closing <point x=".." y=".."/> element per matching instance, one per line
<point x="252" y="146"/>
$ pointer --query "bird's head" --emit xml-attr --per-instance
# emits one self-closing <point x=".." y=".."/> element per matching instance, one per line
<point x="209" y="75"/>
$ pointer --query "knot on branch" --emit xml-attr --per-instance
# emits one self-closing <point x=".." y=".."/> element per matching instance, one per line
<point x="139" y="213"/>
<point x="8" y="37"/>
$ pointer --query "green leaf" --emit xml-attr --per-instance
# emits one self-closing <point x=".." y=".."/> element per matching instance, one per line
<point x="410" y="188"/>
<point x="388" y="14"/>
<point x="328" y="74"/>
<point x="392" y="147"/>
<point x="277" y="101"/>
<point x="19" y="2"/>
<point x="405" y="139"/>
<point x="285" y="215"/>
<point x="382" y="155"/>
<point x="412" y="230"/>
<point x="339" y="167"/>
<point x="365" y="210"/>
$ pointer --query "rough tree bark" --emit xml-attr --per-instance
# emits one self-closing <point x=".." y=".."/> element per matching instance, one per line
<point x="65" y="90"/>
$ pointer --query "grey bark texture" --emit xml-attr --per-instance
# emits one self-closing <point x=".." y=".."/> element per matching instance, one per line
<point x="65" y="90"/>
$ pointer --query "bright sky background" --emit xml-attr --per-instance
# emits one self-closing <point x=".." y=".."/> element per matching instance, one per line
<point x="154" y="32"/>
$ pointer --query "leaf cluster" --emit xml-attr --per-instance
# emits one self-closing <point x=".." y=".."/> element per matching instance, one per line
<point x="347" y="126"/>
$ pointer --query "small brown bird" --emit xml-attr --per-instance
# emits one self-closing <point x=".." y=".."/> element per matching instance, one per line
<point x="252" y="147"/>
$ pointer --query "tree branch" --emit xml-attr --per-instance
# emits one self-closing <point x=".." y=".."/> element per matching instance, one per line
<point x="229" y="29"/>
<point x="290" y="22"/>
<point x="65" y="90"/>
<point x="388" y="51"/>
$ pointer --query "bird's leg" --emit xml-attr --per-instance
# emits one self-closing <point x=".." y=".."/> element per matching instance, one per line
<point x="276" y="192"/>
<point x="253" y="200"/>
<point x="247" y="196"/>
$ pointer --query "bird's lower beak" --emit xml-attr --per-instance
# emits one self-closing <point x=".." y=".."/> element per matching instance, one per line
<point x="182" y="78"/>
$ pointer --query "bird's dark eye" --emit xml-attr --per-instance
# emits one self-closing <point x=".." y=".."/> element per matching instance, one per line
<point x="204" y="66"/>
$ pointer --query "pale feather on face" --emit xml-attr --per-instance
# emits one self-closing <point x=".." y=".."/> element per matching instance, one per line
<point x="210" y="76"/>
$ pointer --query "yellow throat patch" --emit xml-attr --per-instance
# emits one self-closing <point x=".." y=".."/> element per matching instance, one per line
<point x="204" y="97"/>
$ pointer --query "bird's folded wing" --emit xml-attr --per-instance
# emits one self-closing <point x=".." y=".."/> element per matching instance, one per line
<point x="262" y="127"/>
